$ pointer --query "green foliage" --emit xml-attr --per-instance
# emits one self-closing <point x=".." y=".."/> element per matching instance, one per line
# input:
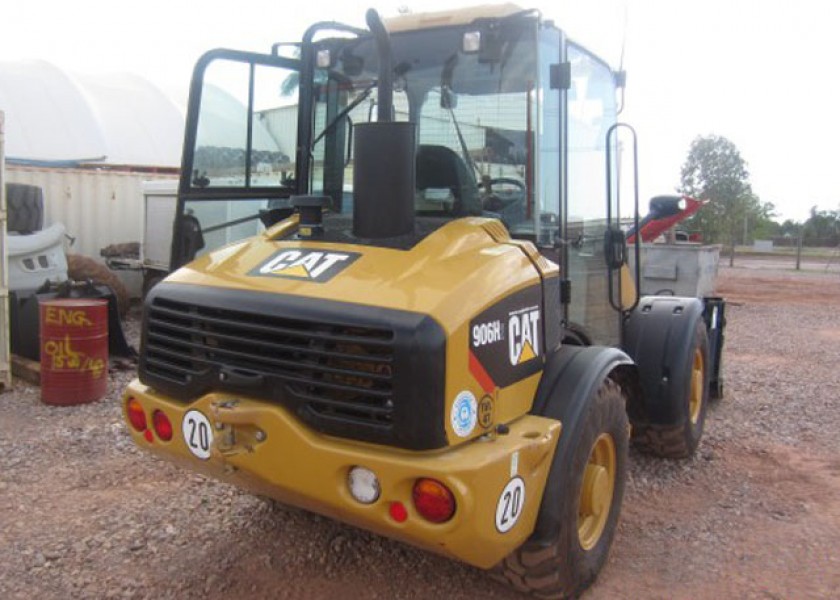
<point x="290" y="85"/>
<point x="765" y="229"/>
<point x="822" y="228"/>
<point x="790" y="228"/>
<point x="715" y="171"/>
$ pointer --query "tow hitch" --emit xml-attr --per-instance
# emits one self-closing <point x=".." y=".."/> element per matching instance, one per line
<point x="236" y="432"/>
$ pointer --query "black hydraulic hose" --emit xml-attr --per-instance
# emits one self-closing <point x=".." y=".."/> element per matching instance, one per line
<point x="386" y="72"/>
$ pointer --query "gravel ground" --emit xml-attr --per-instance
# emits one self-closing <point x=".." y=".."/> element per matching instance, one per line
<point x="84" y="514"/>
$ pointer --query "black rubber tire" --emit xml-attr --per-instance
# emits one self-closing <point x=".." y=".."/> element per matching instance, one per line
<point x="564" y="569"/>
<point x="679" y="441"/>
<point x="25" y="207"/>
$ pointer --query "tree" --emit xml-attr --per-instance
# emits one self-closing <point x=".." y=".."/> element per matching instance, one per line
<point x="714" y="170"/>
<point x="790" y="228"/>
<point x="766" y="227"/>
<point x="290" y="85"/>
<point x="822" y="228"/>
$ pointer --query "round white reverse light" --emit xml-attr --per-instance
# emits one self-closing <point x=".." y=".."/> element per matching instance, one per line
<point x="363" y="484"/>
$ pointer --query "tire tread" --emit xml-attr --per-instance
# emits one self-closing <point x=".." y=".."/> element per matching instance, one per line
<point x="661" y="440"/>
<point x="537" y="569"/>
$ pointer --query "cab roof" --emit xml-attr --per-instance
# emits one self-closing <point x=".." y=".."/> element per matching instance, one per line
<point x="458" y="16"/>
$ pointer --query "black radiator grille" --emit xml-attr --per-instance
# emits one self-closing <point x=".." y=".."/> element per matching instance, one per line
<point x="336" y="371"/>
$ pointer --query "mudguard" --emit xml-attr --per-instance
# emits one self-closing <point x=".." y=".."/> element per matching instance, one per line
<point x="659" y="337"/>
<point x="571" y="377"/>
<point x="715" y="317"/>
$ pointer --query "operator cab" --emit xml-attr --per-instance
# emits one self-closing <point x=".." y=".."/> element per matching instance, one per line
<point x="511" y="123"/>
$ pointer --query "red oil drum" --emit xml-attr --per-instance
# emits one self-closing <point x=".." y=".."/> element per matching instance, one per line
<point x="74" y="350"/>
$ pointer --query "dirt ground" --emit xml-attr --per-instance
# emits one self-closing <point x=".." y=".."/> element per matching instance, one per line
<point x="755" y="514"/>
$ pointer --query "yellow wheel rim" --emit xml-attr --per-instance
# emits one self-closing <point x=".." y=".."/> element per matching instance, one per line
<point x="596" y="492"/>
<point x="695" y="399"/>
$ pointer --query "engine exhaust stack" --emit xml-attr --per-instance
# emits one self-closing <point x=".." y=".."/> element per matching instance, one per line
<point x="384" y="168"/>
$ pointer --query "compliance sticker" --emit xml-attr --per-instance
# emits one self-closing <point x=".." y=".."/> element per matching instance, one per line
<point x="510" y="505"/>
<point x="198" y="435"/>
<point x="485" y="412"/>
<point x="464" y="414"/>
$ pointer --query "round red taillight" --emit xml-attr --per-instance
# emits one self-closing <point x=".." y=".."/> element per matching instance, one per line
<point x="162" y="425"/>
<point x="433" y="500"/>
<point x="136" y="416"/>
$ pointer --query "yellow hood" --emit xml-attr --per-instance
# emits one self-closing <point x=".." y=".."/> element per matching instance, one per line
<point x="451" y="274"/>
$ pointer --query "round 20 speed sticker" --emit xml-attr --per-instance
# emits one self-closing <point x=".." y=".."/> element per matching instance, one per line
<point x="198" y="435"/>
<point x="510" y="505"/>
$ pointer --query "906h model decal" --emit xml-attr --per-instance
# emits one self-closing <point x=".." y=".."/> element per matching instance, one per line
<point x="506" y="340"/>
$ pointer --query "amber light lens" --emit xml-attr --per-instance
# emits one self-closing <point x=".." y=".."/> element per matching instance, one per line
<point x="163" y="427"/>
<point x="136" y="416"/>
<point x="433" y="500"/>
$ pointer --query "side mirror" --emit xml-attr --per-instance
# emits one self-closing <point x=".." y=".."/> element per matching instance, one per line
<point x="492" y="44"/>
<point x="615" y="248"/>
<point x="192" y="238"/>
<point x="352" y="65"/>
<point x="666" y="206"/>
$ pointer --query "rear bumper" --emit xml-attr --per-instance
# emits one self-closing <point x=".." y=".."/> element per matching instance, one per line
<point x="264" y="448"/>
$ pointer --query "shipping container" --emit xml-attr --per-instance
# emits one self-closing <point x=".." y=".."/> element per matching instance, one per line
<point x="98" y="207"/>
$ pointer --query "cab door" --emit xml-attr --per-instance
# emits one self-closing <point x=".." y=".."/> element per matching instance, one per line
<point x="591" y="111"/>
<point x="239" y="150"/>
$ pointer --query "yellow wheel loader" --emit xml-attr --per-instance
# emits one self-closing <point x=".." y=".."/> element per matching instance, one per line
<point x="402" y="297"/>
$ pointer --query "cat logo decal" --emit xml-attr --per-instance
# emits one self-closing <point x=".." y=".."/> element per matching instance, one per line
<point x="523" y="338"/>
<point x="305" y="265"/>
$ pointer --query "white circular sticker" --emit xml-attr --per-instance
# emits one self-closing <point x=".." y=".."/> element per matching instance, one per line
<point x="198" y="435"/>
<point x="510" y="505"/>
<point x="464" y="414"/>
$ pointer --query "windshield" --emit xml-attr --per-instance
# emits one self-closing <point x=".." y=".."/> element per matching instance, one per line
<point x="476" y="111"/>
<point x="474" y="116"/>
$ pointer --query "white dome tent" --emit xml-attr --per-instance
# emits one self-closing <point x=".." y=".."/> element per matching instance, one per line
<point x="55" y="117"/>
<point x="89" y="142"/>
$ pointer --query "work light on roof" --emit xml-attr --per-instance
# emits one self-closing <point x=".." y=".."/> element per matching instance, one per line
<point x="323" y="59"/>
<point x="471" y="42"/>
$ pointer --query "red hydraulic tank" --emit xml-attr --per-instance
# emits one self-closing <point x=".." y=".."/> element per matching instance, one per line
<point x="74" y="350"/>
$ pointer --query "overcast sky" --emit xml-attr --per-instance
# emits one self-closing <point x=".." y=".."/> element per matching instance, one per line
<point x="756" y="72"/>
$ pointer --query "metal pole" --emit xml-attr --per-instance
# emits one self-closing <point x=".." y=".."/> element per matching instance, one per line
<point x="799" y="250"/>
